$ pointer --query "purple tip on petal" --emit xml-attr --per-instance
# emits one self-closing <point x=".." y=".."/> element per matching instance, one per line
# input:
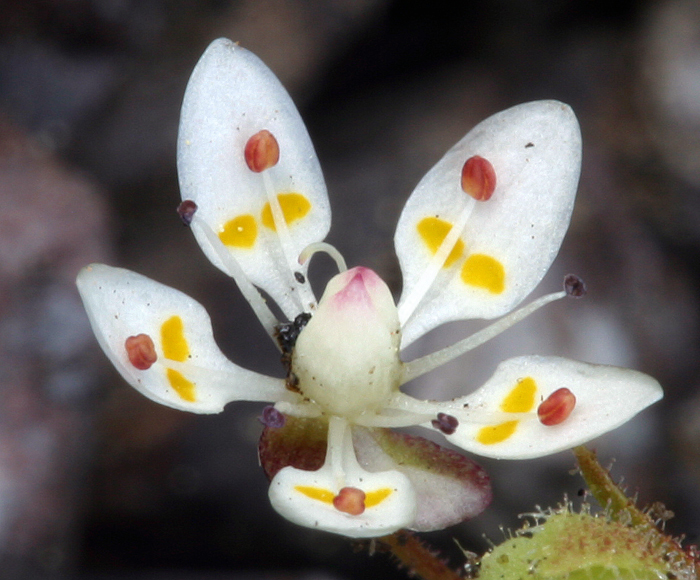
<point x="186" y="211"/>
<point x="445" y="423"/>
<point x="272" y="418"/>
<point x="574" y="286"/>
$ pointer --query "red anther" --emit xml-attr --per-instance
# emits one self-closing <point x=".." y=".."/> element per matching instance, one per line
<point x="141" y="351"/>
<point x="262" y="151"/>
<point x="350" y="500"/>
<point x="557" y="407"/>
<point x="478" y="178"/>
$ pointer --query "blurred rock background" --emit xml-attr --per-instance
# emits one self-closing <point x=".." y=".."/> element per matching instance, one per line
<point x="97" y="482"/>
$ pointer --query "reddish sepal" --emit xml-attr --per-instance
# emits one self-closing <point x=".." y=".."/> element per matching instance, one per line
<point x="300" y="443"/>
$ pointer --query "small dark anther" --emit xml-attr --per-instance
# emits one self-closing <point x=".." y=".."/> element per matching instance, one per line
<point x="272" y="418"/>
<point x="529" y="144"/>
<point x="299" y="277"/>
<point x="445" y="423"/>
<point x="287" y="333"/>
<point x="574" y="286"/>
<point x="186" y="211"/>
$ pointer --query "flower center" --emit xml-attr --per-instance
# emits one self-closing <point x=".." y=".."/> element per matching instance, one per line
<point x="346" y="358"/>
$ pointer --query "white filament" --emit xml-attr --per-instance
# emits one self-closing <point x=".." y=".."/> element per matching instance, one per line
<point x="422" y="365"/>
<point x="305" y="298"/>
<point x="408" y="306"/>
<point x="311" y="249"/>
<point x="249" y="291"/>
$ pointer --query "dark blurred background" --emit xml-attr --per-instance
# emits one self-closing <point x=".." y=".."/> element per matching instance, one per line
<point x="97" y="482"/>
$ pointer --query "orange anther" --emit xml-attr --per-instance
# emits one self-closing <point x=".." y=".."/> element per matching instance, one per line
<point x="557" y="407"/>
<point x="478" y="178"/>
<point x="141" y="351"/>
<point x="262" y="151"/>
<point x="350" y="500"/>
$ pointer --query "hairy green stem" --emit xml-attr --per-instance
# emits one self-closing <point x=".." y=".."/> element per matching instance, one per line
<point x="606" y="491"/>
<point x="419" y="559"/>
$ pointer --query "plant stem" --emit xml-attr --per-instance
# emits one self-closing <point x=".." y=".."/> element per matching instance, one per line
<point x="417" y="557"/>
<point x="606" y="491"/>
<point x="686" y="562"/>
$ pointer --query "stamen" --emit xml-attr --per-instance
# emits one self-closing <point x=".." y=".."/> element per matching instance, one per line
<point x="305" y="296"/>
<point x="402" y="410"/>
<point x="262" y="151"/>
<point x="339" y="450"/>
<point x="141" y="351"/>
<point x="407" y="307"/>
<point x="350" y="500"/>
<point x="445" y="423"/>
<point x="478" y="178"/>
<point x="186" y="211"/>
<point x="304" y="410"/>
<point x="557" y="407"/>
<point x="403" y="418"/>
<point x="420" y="366"/>
<point x="574" y="286"/>
<point x="249" y="291"/>
<point x="311" y="249"/>
<point x="288" y="332"/>
<point x="272" y="418"/>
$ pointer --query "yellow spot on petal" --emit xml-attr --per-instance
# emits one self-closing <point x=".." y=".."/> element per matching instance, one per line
<point x="484" y="272"/>
<point x="172" y="336"/>
<point x="294" y="207"/>
<point x="433" y="231"/>
<point x="182" y="386"/>
<point x="522" y="398"/>
<point x="317" y="493"/>
<point x="240" y="232"/>
<point x="376" y="497"/>
<point x="496" y="433"/>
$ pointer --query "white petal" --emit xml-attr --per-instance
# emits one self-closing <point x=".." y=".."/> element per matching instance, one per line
<point x="230" y="97"/>
<point x="510" y="240"/>
<point x="190" y="372"/>
<point x="500" y="419"/>
<point x="307" y="497"/>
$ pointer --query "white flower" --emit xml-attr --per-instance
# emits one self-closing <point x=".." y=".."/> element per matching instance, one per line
<point x="476" y="236"/>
